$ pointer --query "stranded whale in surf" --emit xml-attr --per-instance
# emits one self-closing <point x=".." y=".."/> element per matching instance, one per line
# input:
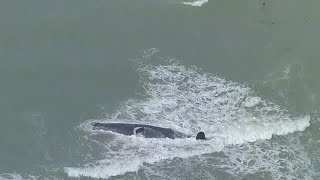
<point x="146" y="131"/>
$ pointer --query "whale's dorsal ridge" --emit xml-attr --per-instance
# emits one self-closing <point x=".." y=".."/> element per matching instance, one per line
<point x="138" y="130"/>
<point x="147" y="131"/>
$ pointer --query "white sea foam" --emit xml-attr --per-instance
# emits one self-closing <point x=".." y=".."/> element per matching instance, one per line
<point x="10" y="176"/>
<point x="282" y="158"/>
<point x="17" y="176"/>
<point x="188" y="100"/>
<point x="198" y="3"/>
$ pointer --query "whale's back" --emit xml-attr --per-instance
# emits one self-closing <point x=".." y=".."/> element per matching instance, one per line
<point x="147" y="131"/>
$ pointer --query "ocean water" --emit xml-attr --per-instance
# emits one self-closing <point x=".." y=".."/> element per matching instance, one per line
<point x="244" y="72"/>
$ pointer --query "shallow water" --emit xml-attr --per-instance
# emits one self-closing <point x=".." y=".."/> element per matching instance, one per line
<point x="246" y="73"/>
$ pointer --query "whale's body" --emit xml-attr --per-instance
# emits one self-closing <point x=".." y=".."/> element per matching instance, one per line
<point x="146" y="131"/>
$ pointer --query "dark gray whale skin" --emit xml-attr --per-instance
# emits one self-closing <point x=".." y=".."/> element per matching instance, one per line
<point x="147" y="131"/>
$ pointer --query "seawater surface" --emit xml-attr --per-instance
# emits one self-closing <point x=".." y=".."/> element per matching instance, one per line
<point x="244" y="72"/>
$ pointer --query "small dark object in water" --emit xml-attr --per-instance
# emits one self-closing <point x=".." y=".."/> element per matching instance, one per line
<point x="201" y="136"/>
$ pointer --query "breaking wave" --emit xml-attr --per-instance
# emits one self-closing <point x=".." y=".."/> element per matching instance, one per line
<point x="189" y="100"/>
<point x="198" y="3"/>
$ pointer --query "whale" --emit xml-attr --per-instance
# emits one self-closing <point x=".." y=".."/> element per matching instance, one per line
<point x="144" y="130"/>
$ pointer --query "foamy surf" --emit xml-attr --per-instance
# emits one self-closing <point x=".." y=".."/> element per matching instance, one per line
<point x="11" y="176"/>
<point x="188" y="100"/>
<point x="196" y="3"/>
<point x="17" y="176"/>
<point x="149" y="151"/>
